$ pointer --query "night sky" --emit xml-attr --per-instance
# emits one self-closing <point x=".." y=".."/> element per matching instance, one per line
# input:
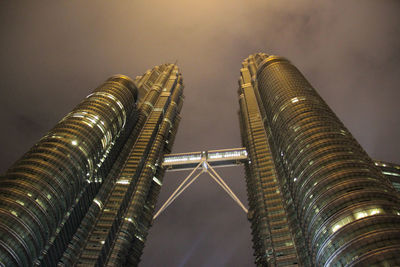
<point x="53" y="54"/>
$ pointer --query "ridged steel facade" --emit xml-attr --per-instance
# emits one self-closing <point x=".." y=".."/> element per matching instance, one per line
<point x="85" y="193"/>
<point x="315" y="196"/>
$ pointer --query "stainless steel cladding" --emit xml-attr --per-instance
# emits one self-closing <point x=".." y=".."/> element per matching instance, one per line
<point x="344" y="210"/>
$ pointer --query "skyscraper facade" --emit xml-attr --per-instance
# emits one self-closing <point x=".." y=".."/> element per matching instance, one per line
<point x="84" y="195"/>
<point x="315" y="196"/>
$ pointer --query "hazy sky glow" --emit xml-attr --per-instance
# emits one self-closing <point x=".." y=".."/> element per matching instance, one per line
<point x="53" y="54"/>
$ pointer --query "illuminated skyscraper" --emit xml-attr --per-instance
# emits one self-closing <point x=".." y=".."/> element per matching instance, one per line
<point x="85" y="193"/>
<point x="315" y="196"/>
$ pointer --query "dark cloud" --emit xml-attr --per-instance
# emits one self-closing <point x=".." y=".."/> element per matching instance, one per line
<point x="53" y="54"/>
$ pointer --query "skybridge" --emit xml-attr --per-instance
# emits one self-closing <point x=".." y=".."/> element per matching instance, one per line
<point x="215" y="158"/>
<point x="203" y="162"/>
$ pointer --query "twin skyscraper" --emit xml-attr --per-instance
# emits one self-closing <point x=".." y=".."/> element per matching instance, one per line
<point x="85" y="194"/>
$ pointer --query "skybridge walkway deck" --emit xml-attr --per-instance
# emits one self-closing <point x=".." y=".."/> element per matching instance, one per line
<point x="215" y="158"/>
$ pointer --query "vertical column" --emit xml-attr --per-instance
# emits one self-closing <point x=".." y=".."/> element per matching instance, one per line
<point x="114" y="230"/>
<point x="272" y="234"/>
